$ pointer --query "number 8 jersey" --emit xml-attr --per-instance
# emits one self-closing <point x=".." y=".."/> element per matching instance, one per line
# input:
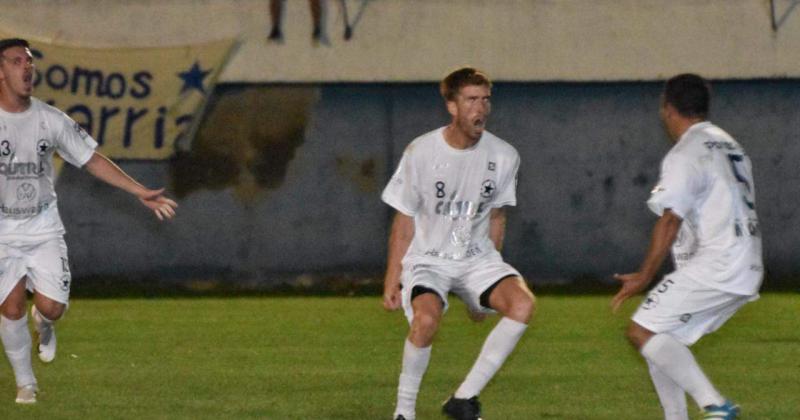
<point x="450" y="193"/>
<point x="706" y="179"/>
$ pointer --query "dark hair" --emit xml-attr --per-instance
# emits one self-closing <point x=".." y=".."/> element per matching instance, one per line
<point x="13" y="42"/>
<point x="689" y="93"/>
<point x="465" y="76"/>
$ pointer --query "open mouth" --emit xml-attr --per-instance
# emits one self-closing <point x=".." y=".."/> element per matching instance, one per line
<point x="478" y="122"/>
<point x="27" y="77"/>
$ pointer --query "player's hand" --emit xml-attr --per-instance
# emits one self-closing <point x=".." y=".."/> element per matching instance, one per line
<point x="391" y="297"/>
<point x="163" y="207"/>
<point x="632" y="284"/>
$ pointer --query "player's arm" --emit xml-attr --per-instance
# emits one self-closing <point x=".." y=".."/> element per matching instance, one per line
<point x="399" y="239"/>
<point x="497" y="227"/>
<point x="104" y="169"/>
<point x="664" y="233"/>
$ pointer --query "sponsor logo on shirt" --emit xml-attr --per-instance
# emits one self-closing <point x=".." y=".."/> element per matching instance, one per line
<point x="713" y="144"/>
<point x="26" y="192"/>
<point x="21" y="170"/>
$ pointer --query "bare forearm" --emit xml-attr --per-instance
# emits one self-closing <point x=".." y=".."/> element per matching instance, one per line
<point x="106" y="170"/>
<point x="497" y="228"/>
<point x="399" y="240"/>
<point x="664" y="233"/>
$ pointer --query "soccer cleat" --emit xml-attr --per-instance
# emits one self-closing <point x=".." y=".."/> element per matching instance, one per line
<point x="400" y="417"/>
<point x="45" y="336"/>
<point x="26" y="394"/>
<point x="726" y="411"/>
<point x="462" y="408"/>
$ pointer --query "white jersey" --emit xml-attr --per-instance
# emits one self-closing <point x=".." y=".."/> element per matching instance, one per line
<point x="450" y="193"/>
<point x="27" y="141"/>
<point x="706" y="179"/>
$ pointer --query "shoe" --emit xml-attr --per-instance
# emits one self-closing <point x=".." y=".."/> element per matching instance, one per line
<point x="45" y="337"/>
<point x="399" y="417"/>
<point x="462" y="408"/>
<point x="726" y="411"/>
<point x="27" y="394"/>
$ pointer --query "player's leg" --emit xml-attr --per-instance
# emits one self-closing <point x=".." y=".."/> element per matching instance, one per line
<point x="675" y="315"/>
<point x="51" y="280"/>
<point x="45" y="312"/>
<point x="427" y="306"/>
<point x="671" y="394"/>
<point x="16" y="340"/>
<point x="510" y="297"/>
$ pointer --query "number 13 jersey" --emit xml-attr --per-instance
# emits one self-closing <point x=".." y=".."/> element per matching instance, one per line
<point x="450" y="193"/>
<point x="706" y="179"/>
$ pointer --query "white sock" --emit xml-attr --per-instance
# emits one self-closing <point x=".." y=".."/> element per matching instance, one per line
<point x="498" y="345"/>
<point x="676" y="361"/>
<point x="17" y="343"/>
<point x="672" y="397"/>
<point x="415" y="363"/>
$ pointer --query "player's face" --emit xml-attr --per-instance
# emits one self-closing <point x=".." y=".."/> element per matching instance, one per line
<point x="16" y="72"/>
<point x="470" y="110"/>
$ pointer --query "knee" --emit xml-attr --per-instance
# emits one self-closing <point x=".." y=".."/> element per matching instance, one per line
<point x="53" y="311"/>
<point x="423" y="329"/>
<point x="14" y="311"/>
<point x="637" y="335"/>
<point x="522" y="308"/>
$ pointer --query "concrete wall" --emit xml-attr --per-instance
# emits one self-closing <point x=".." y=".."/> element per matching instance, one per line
<point x="286" y="179"/>
<point x="419" y="40"/>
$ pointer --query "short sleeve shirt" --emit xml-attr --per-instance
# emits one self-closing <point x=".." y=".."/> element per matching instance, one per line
<point x="450" y="193"/>
<point x="28" y="140"/>
<point x="706" y="179"/>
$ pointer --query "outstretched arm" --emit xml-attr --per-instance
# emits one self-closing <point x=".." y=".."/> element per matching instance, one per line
<point x="399" y="240"/>
<point x="104" y="169"/>
<point x="664" y="233"/>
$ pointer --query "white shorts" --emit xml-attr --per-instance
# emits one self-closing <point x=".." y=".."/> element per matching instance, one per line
<point x="45" y="265"/>
<point x="687" y="309"/>
<point x="467" y="279"/>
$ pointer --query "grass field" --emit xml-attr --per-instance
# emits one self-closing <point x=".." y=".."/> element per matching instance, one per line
<point x="338" y="358"/>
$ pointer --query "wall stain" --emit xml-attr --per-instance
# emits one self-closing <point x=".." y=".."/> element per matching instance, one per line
<point x="361" y="172"/>
<point x="641" y="180"/>
<point x="246" y="141"/>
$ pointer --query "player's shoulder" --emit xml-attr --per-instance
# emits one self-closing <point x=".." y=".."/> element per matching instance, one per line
<point x="499" y="145"/>
<point x="703" y="139"/>
<point x="423" y="143"/>
<point x="49" y="111"/>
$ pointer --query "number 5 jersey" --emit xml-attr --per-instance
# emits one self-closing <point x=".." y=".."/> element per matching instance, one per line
<point x="706" y="179"/>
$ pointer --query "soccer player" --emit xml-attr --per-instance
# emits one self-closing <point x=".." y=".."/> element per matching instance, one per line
<point x="449" y="191"/>
<point x="33" y="254"/>
<point x="705" y="200"/>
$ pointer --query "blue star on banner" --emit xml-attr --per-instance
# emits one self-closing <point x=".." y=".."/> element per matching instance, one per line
<point x="193" y="78"/>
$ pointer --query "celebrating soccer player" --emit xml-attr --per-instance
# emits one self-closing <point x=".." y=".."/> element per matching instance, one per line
<point x="705" y="200"/>
<point x="33" y="254"/>
<point x="449" y="191"/>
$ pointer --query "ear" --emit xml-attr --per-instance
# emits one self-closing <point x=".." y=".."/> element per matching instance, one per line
<point x="452" y="108"/>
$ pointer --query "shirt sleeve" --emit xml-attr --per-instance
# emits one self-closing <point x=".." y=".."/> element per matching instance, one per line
<point x="678" y="186"/>
<point x="401" y="192"/>
<point x="73" y="143"/>
<point x="507" y="190"/>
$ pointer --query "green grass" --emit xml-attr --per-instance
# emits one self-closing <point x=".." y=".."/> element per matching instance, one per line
<point x="339" y="358"/>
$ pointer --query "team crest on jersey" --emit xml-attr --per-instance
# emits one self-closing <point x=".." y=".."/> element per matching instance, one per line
<point x="26" y="192"/>
<point x="650" y="302"/>
<point x="488" y="188"/>
<point x="65" y="283"/>
<point x="42" y="146"/>
<point x="492" y="166"/>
